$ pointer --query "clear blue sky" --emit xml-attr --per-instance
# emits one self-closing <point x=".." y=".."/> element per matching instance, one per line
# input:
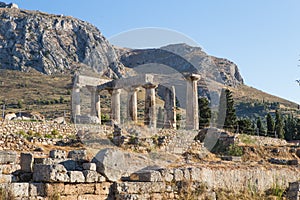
<point x="261" y="36"/>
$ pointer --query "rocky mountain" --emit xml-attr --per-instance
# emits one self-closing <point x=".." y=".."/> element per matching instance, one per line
<point x="184" y="58"/>
<point x="53" y="44"/>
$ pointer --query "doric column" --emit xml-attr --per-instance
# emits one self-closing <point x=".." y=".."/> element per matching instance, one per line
<point x="98" y="106"/>
<point x="76" y="101"/>
<point x="170" y="108"/>
<point x="115" y="105"/>
<point x="150" y="107"/>
<point x="192" y="119"/>
<point x="95" y="102"/>
<point x="132" y="104"/>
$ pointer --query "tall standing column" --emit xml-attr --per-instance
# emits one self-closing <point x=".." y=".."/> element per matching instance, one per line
<point x="150" y="107"/>
<point x="95" y="102"/>
<point x="132" y="104"/>
<point x="170" y="108"/>
<point x="115" y="105"/>
<point x="192" y="118"/>
<point x="98" y="106"/>
<point x="75" y="102"/>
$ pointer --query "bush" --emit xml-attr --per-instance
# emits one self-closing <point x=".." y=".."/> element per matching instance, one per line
<point x="235" y="150"/>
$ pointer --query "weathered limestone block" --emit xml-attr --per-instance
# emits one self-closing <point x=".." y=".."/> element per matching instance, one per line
<point x="89" y="166"/>
<point x="92" y="176"/>
<point x="76" y="176"/>
<point x="47" y="161"/>
<point x="20" y="189"/>
<point x="54" y="188"/>
<point x="26" y="162"/>
<point x="195" y="174"/>
<point x="71" y="165"/>
<point x="103" y="188"/>
<point x="178" y="175"/>
<point x="146" y="176"/>
<point x="7" y="157"/>
<point x="91" y="197"/>
<point x="6" y="178"/>
<point x="37" y="189"/>
<point x="50" y="173"/>
<point x="111" y="163"/>
<point x="76" y="189"/>
<point x="138" y="187"/>
<point x="167" y="174"/>
<point x="77" y="155"/>
<point x="58" y="154"/>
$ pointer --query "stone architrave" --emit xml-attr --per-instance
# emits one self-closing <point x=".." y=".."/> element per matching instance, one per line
<point x="170" y="108"/>
<point x="150" y="105"/>
<point x="192" y="119"/>
<point x="132" y="104"/>
<point x="115" y="105"/>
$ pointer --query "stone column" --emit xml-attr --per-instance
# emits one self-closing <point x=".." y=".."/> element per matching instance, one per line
<point x="170" y="108"/>
<point x="98" y="106"/>
<point x="150" y="107"/>
<point x="132" y="104"/>
<point x="192" y="119"/>
<point x="115" y="105"/>
<point x="95" y="102"/>
<point x="76" y="101"/>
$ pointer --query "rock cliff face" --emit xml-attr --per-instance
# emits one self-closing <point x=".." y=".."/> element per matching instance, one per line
<point x="184" y="58"/>
<point x="53" y="44"/>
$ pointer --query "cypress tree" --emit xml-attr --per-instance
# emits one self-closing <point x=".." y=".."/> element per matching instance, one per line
<point x="279" y="125"/>
<point x="260" y="127"/>
<point x="270" y="125"/>
<point x="204" y="112"/>
<point x="226" y="111"/>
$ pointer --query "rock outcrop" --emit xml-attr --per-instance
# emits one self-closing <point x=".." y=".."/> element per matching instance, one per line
<point x="53" y="44"/>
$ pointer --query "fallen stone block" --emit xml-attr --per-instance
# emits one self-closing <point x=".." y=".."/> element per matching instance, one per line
<point x="50" y="173"/>
<point x="167" y="174"/>
<point x="57" y="154"/>
<point x="7" y="157"/>
<point x="89" y="166"/>
<point x="146" y="176"/>
<point x="111" y="163"/>
<point x="26" y="162"/>
<point x="77" y="155"/>
<point x="76" y="176"/>
<point x="232" y="158"/>
<point x="178" y="175"/>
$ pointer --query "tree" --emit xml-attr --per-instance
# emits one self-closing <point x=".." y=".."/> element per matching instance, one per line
<point x="226" y="111"/>
<point x="204" y="112"/>
<point x="260" y="127"/>
<point x="290" y="128"/>
<point x="270" y="125"/>
<point x="245" y="126"/>
<point x="279" y="125"/>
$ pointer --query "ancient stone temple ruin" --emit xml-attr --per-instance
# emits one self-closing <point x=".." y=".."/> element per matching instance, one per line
<point x="131" y="85"/>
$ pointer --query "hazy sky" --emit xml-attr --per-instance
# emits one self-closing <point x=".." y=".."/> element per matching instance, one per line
<point x="261" y="36"/>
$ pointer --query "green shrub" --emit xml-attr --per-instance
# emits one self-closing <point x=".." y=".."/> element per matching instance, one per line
<point x="235" y="150"/>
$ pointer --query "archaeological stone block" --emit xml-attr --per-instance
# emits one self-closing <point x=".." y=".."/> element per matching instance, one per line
<point x="79" y="189"/>
<point x="167" y="174"/>
<point x="26" y="162"/>
<point x="77" y="155"/>
<point x="50" y="173"/>
<point x="7" y="157"/>
<point x="20" y="189"/>
<point x="76" y="176"/>
<point x="146" y="176"/>
<point x="103" y="188"/>
<point x="71" y="165"/>
<point x="89" y="166"/>
<point x="111" y="163"/>
<point x="91" y="176"/>
<point x="178" y="175"/>
<point x="37" y="189"/>
<point x="57" y="154"/>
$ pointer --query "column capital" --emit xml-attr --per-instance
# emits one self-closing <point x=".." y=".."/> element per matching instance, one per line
<point x="149" y="86"/>
<point x="193" y="77"/>
<point x="113" y="91"/>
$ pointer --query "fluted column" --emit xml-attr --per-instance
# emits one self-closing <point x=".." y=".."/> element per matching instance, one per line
<point x="150" y="107"/>
<point x="132" y="104"/>
<point x="170" y="108"/>
<point x="192" y="119"/>
<point x="115" y="105"/>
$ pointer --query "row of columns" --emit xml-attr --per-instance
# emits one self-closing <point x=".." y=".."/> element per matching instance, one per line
<point x="150" y="118"/>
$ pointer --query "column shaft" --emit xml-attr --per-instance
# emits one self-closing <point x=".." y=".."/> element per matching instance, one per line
<point x="132" y="104"/>
<point x="192" y="118"/>
<point x="76" y="102"/>
<point x="150" y="106"/>
<point x="115" y="106"/>
<point x="170" y="108"/>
